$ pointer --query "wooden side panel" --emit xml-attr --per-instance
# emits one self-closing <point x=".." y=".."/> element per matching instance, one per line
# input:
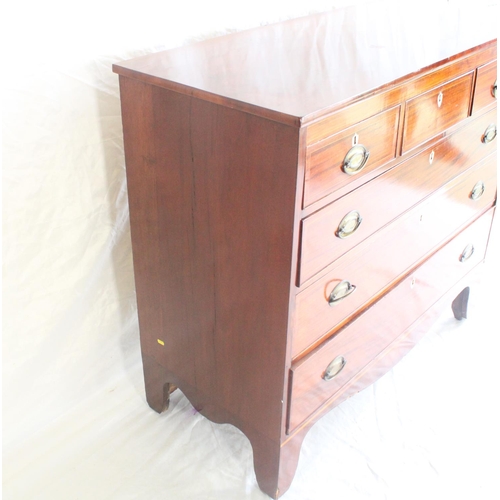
<point x="427" y="115"/>
<point x="212" y="203"/>
<point x="483" y="93"/>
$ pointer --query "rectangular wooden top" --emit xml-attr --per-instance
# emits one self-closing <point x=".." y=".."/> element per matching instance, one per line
<point x="291" y="71"/>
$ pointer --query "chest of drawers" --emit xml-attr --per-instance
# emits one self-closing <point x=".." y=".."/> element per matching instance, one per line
<point x="303" y="198"/>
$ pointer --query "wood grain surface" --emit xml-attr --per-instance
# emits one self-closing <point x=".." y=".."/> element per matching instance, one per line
<point x="233" y="149"/>
<point x="483" y="93"/>
<point x="330" y="121"/>
<point x="389" y="253"/>
<point x="293" y="70"/>
<point x="425" y="117"/>
<point x="212" y="203"/>
<point x="324" y="160"/>
<point x="390" y="194"/>
<point x="365" y="338"/>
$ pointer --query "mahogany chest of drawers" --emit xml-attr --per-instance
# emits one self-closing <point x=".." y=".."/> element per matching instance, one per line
<point x="303" y="198"/>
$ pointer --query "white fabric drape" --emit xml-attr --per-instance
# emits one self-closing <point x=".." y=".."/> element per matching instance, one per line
<point x="75" y="421"/>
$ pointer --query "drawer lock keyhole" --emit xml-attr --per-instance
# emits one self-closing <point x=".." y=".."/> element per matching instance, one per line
<point x="440" y="99"/>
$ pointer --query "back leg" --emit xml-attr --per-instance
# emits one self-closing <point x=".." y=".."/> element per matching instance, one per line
<point x="459" y="305"/>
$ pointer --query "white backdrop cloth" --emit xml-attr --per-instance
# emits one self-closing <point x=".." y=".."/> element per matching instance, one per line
<point x="75" y="421"/>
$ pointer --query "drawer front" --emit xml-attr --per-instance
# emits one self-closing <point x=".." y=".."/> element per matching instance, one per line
<point x="485" y="91"/>
<point x="385" y="256"/>
<point x="436" y="110"/>
<point x="368" y="335"/>
<point x="327" y="162"/>
<point x="390" y="194"/>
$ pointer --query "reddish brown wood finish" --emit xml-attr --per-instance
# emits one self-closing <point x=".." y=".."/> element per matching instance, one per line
<point x="212" y="263"/>
<point x="331" y="121"/>
<point x="386" y="255"/>
<point x="294" y="69"/>
<point x="425" y="117"/>
<point x="373" y="371"/>
<point x="390" y="356"/>
<point x="157" y="388"/>
<point x="217" y="140"/>
<point x="371" y="333"/>
<point x="388" y="195"/>
<point x="485" y="80"/>
<point x="324" y="160"/>
<point x="359" y="180"/>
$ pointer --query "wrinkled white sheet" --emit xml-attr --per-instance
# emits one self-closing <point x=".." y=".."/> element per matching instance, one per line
<point x="428" y="429"/>
<point x="75" y="421"/>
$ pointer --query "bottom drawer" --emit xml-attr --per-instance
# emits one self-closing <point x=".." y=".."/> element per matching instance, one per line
<point x="320" y="375"/>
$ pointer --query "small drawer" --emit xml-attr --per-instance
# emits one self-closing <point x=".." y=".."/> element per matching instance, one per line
<point x="389" y="195"/>
<point x="485" y="92"/>
<point x="436" y="110"/>
<point x="326" y="304"/>
<point x="319" y="376"/>
<point x="333" y="162"/>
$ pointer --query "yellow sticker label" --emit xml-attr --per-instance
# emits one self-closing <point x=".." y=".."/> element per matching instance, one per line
<point x="160" y="342"/>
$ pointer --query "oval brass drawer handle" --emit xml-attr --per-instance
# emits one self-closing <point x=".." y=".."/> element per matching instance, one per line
<point x="494" y="90"/>
<point x="349" y="224"/>
<point x="334" y="368"/>
<point x="489" y="134"/>
<point x="355" y="159"/>
<point x="467" y="252"/>
<point x="477" y="190"/>
<point x="340" y="292"/>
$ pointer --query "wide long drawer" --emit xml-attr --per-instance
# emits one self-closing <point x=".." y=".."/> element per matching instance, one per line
<point x="389" y="195"/>
<point x="317" y="377"/>
<point x="376" y="262"/>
